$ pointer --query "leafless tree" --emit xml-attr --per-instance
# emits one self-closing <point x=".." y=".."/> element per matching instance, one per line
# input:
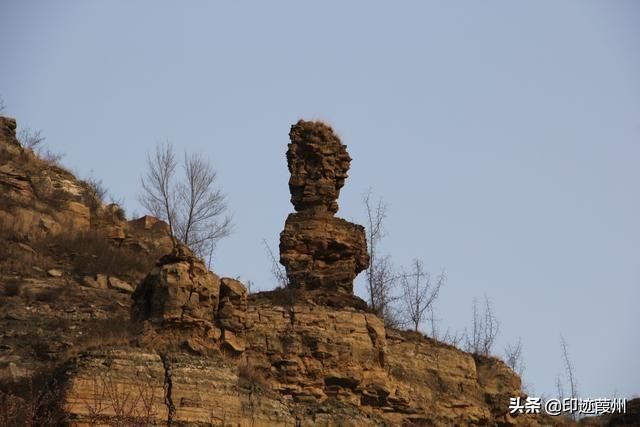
<point x="419" y="293"/>
<point x="159" y="193"/>
<point x="194" y="207"/>
<point x="384" y="284"/>
<point x="570" y="372"/>
<point x="513" y="357"/>
<point x="2" y="105"/>
<point x="381" y="278"/>
<point x="30" y="139"/>
<point x="570" y="376"/>
<point x="277" y="270"/>
<point x="485" y="330"/>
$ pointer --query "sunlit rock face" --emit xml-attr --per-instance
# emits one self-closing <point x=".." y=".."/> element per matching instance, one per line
<point x="318" y="250"/>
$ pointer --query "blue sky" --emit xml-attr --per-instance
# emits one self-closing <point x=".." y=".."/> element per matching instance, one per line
<point x="505" y="137"/>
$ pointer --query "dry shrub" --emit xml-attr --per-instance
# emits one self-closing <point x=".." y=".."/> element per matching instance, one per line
<point x="47" y="295"/>
<point x="95" y="192"/>
<point x="57" y="196"/>
<point x="253" y="376"/>
<point x="33" y="401"/>
<point x="111" y="403"/>
<point x="283" y="296"/>
<point x="107" y="332"/>
<point x="16" y="261"/>
<point x="120" y="213"/>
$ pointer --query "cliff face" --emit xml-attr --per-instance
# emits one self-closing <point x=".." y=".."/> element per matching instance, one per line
<point x="68" y="264"/>
<point x="187" y="347"/>
<point x="303" y="365"/>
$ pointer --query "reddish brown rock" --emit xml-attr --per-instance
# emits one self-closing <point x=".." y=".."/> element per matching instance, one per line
<point x="318" y="163"/>
<point x="178" y="291"/>
<point x="318" y="250"/>
<point x="322" y="252"/>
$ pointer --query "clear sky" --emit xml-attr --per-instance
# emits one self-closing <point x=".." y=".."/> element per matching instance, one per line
<point x="505" y="137"/>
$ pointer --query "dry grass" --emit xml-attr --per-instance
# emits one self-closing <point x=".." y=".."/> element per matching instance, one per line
<point x="16" y="261"/>
<point x="92" y="254"/>
<point x="107" y="332"/>
<point x="254" y="377"/>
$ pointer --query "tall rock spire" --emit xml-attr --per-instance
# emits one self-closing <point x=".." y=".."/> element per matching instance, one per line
<point x="318" y="250"/>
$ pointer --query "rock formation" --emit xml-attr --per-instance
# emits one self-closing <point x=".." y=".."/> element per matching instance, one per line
<point x="318" y="250"/>
<point x="40" y="198"/>
<point x="185" y="302"/>
<point x="200" y="350"/>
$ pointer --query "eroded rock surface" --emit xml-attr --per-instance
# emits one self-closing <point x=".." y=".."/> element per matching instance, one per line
<point x="188" y="305"/>
<point x="308" y="364"/>
<point x="39" y="198"/>
<point x="318" y="250"/>
<point x="201" y="351"/>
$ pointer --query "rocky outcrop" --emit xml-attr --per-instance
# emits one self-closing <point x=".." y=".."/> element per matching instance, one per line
<point x="187" y="305"/>
<point x="129" y="386"/>
<point x="179" y="290"/>
<point x="200" y="350"/>
<point x="39" y="198"/>
<point x="307" y="364"/>
<point x="318" y="250"/>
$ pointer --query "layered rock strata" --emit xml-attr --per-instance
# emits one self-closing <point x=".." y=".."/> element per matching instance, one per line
<point x="307" y="365"/>
<point x="318" y="250"/>
<point x="185" y="303"/>
<point x="39" y="198"/>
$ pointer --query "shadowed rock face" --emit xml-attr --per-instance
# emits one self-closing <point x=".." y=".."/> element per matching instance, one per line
<point x="318" y="250"/>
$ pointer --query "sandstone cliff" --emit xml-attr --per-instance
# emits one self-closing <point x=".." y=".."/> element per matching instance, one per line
<point x="157" y="339"/>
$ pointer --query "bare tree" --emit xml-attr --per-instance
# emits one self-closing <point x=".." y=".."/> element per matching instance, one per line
<point x="193" y="207"/>
<point x="485" y="330"/>
<point x="3" y="106"/>
<point x="384" y="281"/>
<point x="419" y="293"/>
<point x="30" y="139"/>
<point x="200" y="206"/>
<point x="381" y="279"/>
<point x="570" y="376"/>
<point x="278" y="272"/>
<point x="159" y="193"/>
<point x="513" y="357"/>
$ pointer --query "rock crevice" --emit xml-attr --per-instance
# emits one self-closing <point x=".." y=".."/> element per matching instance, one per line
<point x="168" y="388"/>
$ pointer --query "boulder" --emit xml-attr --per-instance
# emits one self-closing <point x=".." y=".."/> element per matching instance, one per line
<point x="178" y="291"/>
<point x="54" y="272"/>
